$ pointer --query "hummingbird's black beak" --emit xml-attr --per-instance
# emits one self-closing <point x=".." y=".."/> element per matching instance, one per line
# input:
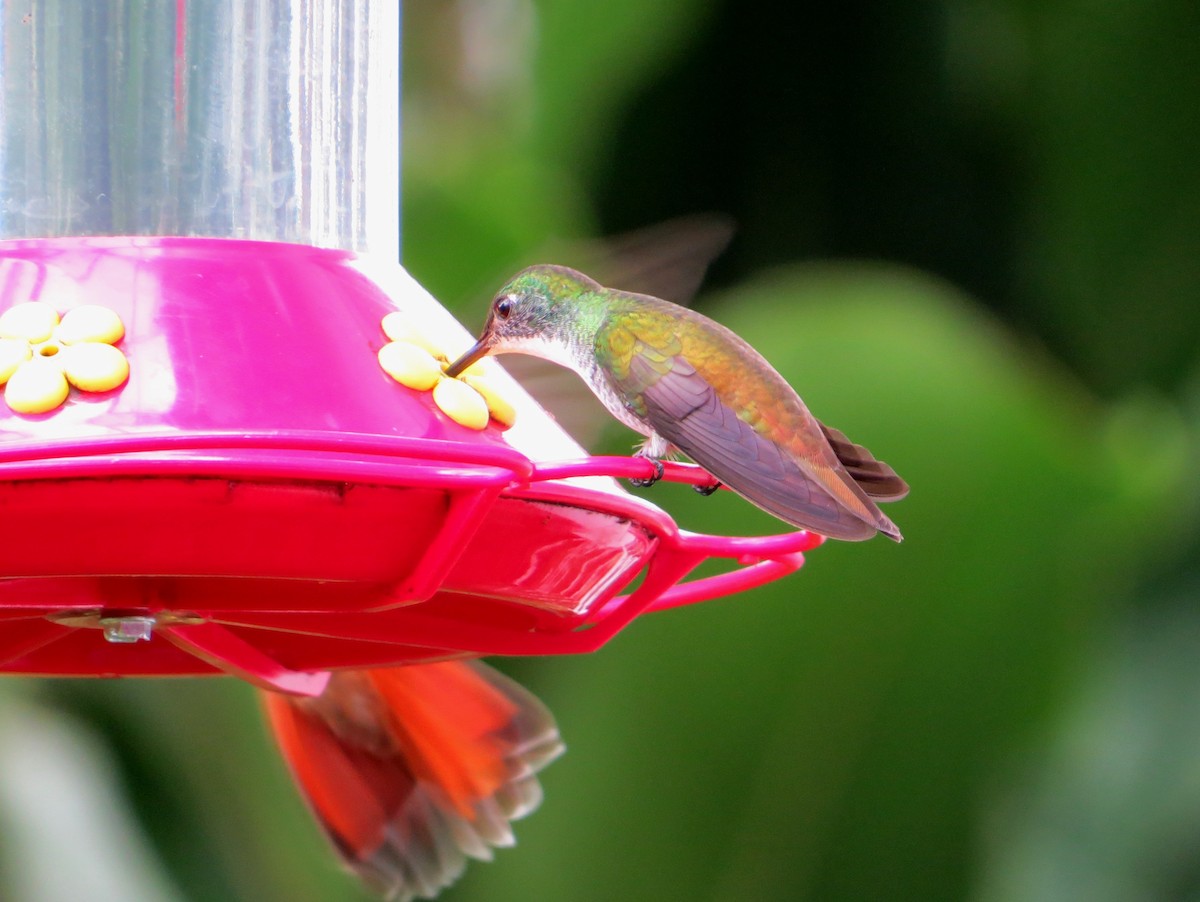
<point x="478" y="351"/>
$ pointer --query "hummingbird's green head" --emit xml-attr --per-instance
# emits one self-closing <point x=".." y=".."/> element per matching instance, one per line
<point x="537" y="312"/>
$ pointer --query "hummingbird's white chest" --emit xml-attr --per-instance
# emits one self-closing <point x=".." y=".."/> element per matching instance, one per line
<point x="580" y="357"/>
<point x="613" y="401"/>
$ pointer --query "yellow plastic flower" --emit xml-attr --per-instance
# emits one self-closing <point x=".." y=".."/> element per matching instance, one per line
<point x="412" y="360"/>
<point x="42" y="356"/>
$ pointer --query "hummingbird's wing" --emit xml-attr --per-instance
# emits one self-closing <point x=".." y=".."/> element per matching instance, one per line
<point x="685" y="410"/>
<point x="666" y="367"/>
<point x="667" y="260"/>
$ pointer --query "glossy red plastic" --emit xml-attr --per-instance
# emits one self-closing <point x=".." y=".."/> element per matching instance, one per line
<point x="260" y="498"/>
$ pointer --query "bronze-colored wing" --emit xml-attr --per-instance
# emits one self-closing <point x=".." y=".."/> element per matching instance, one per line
<point x="686" y="410"/>
<point x="666" y="260"/>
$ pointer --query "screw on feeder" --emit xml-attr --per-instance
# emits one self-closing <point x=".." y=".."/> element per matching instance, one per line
<point x="128" y="629"/>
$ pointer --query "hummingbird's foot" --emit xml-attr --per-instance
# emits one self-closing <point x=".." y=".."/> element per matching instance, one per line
<point x="706" y="490"/>
<point x="659" y="469"/>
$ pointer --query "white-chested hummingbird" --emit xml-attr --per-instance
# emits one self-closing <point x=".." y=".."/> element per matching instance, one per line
<point x="689" y="384"/>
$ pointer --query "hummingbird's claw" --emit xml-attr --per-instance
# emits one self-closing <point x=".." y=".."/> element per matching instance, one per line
<point x="706" y="490"/>
<point x="659" y="469"/>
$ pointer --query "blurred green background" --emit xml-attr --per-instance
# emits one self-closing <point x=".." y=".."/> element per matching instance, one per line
<point x="969" y="233"/>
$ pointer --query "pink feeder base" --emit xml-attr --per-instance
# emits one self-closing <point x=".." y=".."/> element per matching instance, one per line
<point x="261" y="499"/>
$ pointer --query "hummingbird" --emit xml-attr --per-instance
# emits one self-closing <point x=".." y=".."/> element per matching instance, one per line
<point x="690" y="385"/>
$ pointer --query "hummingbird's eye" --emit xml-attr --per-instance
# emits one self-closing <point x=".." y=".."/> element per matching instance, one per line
<point x="503" y="307"/>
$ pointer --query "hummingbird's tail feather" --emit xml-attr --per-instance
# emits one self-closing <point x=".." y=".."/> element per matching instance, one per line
<point x="411" y="770"/>
<point x="873" y="476"/>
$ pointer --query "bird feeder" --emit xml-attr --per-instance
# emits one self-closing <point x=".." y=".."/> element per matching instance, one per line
<point x="206" y="464"/>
